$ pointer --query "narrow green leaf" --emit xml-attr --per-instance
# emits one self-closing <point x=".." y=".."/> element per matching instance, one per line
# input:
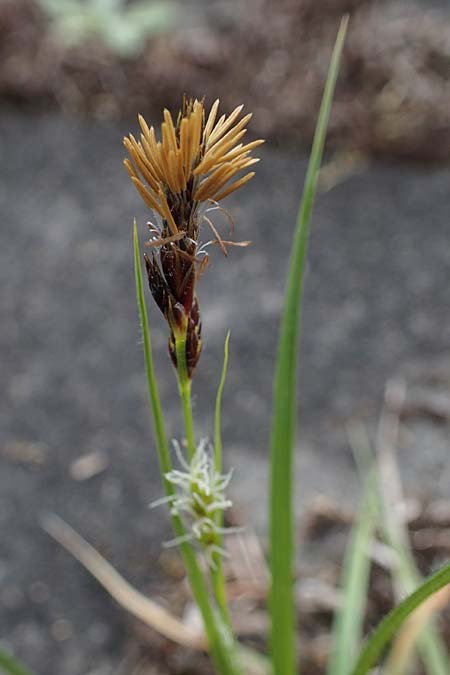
<point x="162" y="445"/>
<point x="405" y="573"/>
<point x="382" y="635"/>
<point x="10" y="665"/>
<point x="221" y="643"/>
<point x="281" y="543"/>
<point x="348" y="626"/>
<point x="217" y="575"/>
<point x="433" y="652"/>
<point x="217" y="425"/>
<point x="407" y="578"/>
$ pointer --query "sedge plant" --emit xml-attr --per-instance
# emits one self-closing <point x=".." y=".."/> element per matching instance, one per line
<point x="183" y="178"/>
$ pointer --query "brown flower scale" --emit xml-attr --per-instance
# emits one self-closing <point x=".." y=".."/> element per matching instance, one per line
<point x="191" y="165"/>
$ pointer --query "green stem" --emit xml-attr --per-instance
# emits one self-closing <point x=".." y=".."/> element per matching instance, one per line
<point x="184" y="386"/>
<point x="220" y="641"/>
<point x="219" y="589"/>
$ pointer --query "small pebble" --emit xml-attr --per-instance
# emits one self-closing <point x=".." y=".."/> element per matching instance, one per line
<point x="88" y="466"/>
<point x="61" y="630"/>
<point x="38" y="592"/>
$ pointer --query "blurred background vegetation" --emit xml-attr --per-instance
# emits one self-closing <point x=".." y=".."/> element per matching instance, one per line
<point x="110" y="58"/>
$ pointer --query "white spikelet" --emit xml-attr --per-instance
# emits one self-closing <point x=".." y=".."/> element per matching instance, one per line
<point x="199" y="500"/>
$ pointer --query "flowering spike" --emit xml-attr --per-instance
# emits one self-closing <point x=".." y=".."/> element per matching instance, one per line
<point x="200" y="496"/>
<point x="196" y="162"/>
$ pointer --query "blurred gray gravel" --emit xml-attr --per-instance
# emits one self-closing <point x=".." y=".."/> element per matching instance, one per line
<point x="377" y="300"/>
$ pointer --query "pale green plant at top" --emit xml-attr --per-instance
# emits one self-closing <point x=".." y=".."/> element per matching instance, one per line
<point x="122" y="27"/>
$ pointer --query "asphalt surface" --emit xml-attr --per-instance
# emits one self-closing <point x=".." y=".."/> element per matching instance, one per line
<point x="377" y="300"/>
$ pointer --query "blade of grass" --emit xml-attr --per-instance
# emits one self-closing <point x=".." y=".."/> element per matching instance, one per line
<point x="217" y="575"/>
<point x="217" y="425"/>
<point x="348" y="626"/>
<point x="405" y="573"/>
<point x="10" y="665"/>
<point x="221" y="642"/>
<point x="162" y="446"/>
<point x="385" y="631"/>
<point x="407" y="577"/>
<point x="407" y="638"/>
<point x="282" y="638"/>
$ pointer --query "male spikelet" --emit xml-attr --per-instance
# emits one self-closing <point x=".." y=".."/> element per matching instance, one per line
<point x="194" y="165"/>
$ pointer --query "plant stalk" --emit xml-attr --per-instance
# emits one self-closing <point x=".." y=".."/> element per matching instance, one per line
<point x="184" y="387"/>
<point x="217" y="575"/>
<point x="221" y="643"/>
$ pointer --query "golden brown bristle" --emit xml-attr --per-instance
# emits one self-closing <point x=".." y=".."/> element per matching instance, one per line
<point x="194" y="154"/>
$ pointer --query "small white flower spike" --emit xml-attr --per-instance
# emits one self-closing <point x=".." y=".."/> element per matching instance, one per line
<point x="199" y="499"/>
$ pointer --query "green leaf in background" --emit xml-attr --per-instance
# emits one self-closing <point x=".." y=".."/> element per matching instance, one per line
<point x="281" y="540"/>
<point x="10" y="666"/>
<point x="348" y="626"/>
<point x="406" y="576"/>
<point x="385" y="631"/>
<point x="152" y="17"/>
<point x="162" y="445"/>
<point x="57" y="8"/>
<point x="126" y="32"/>
<point x="121" y="27"/>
